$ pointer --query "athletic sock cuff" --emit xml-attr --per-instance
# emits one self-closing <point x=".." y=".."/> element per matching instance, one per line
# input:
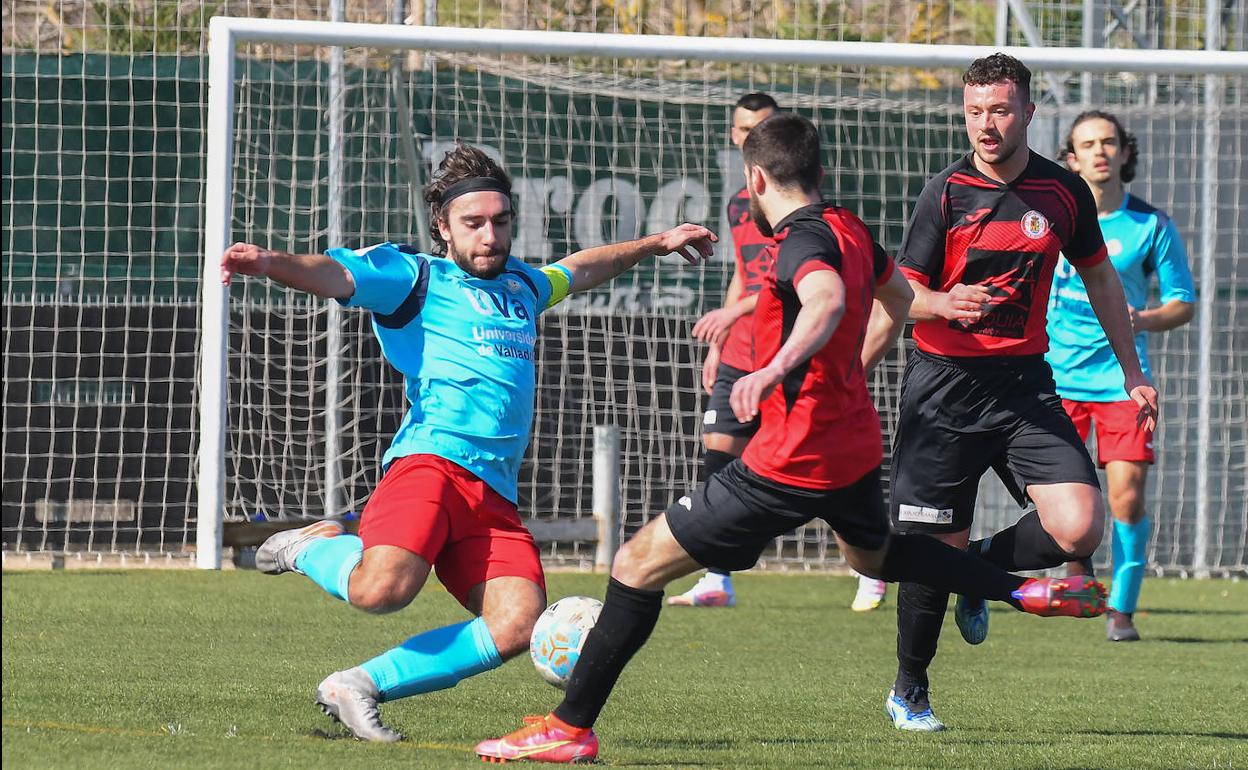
<point x="634" y="598"/>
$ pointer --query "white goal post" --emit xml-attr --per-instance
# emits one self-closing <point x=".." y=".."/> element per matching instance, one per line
<point x="226" y="34"/>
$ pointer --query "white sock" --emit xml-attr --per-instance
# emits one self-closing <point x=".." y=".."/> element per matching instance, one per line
<point x="713" y="581"/>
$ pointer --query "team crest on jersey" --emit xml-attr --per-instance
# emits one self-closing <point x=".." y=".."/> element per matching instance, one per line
<point x="512" y="285"/>
<point x="1034" y="225"/>
<point x="1113" y="247"/>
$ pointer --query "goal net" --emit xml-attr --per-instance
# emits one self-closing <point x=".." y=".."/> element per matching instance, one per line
<point x="329" y="146"/>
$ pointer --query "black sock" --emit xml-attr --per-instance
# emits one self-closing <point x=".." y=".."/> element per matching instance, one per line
<point x="923" y="559"/>
<point x="920" y="613"/>
<point x="1024" y="546"/>
<point x="713" y="460"/>
<point x="628" y="616"/>
<point x="718" y="571"/>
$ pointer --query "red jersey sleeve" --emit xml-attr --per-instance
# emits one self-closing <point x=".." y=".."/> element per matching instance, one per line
<point x="922" y="255"/>
<point x="1087" y="244"/>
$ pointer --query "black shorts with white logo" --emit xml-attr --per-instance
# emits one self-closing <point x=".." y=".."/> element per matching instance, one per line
<point x="729" y="520"/>
<point x="958" y="418"/>
<point x="719" y="417"/>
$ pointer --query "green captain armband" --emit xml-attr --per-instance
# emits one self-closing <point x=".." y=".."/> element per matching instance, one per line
<point x="560" y="283"/>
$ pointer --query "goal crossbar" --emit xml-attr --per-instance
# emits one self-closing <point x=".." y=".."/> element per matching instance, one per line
<point x="226" y="33"/>
<point x="740" y="50"/>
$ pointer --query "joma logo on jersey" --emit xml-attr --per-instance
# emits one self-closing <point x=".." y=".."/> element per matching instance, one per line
<point x="487" y="302"/>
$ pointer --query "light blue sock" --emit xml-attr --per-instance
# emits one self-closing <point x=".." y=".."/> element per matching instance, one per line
<point x="329" y="561"/>
<point x="1130" y="550"/>
<point x="434" y="660"/>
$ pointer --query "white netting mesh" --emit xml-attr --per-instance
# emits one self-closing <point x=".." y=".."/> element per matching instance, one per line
<point x="103" y="186"/>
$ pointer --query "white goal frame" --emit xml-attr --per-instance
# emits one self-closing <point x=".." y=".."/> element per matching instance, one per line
<point x="226" y="33"/>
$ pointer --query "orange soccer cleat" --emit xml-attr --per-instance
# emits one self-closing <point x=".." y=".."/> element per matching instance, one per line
<point x="542" y="739"/>
<point x="1081" y="596"/>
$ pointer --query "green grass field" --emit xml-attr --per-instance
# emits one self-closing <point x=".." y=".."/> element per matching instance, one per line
<point x="186" y="669"/>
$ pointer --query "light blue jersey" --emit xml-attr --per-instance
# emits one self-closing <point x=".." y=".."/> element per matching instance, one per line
<point x="465" y="346"/>
<point x="1141" y="241"/>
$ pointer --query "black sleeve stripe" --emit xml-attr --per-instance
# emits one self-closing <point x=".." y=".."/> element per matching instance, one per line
<point x="880" y="261"/>
<point x="527" y="282"/>
<point x="411" y="306"/>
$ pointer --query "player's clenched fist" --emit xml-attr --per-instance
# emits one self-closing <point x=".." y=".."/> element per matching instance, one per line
<point x="966" y="303"/>
<point x="244" y="259"/>
<point x="749" y="391"/>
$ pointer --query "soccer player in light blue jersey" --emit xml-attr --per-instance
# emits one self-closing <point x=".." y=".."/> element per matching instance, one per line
<point x="1142" y="242"/>
<point x="461" y="327"/>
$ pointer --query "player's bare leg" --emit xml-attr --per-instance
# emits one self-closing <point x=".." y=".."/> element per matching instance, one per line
<point x="387" y="579"/>
<point x="644" y="565"/>
<point x="510" y="606"/>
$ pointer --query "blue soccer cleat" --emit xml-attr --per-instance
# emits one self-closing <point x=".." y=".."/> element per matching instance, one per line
<point x="912" y="712"/>
<point x="971" y="615"/>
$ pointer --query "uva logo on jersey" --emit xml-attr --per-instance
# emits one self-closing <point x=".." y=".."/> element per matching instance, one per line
<point x="487" y="302"/>
<point x="1034" y="225"/>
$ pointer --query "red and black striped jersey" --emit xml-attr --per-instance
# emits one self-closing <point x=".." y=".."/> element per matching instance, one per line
<point x="754" y="263"/>
<point x="968" y="228"/>
<point x="819" y="427"/>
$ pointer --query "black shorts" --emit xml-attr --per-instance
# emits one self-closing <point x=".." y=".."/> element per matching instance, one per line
<point x="727" y="521"/>
<point x="960" y="417"/>
<point x="719" y="417"/>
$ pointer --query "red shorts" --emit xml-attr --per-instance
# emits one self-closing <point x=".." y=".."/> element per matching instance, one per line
<point x="455" y="521"/>
<point x="1118" y="436"/>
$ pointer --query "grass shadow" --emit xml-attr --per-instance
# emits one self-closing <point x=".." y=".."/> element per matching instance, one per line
<point x="1165" y="733"/>
<point x="1195" y="640"/>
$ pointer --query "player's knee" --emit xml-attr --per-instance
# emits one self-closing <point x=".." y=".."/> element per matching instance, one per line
<point x="628" y="567"/>
<point x="381" y="596"/>
<point x="1079" y="543"/>
<point x="1127" y="504"/>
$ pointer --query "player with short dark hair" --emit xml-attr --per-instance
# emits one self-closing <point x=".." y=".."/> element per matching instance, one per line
<point x="1142" y="242"/>
<point x="462" y="330"/>
<point x="831" y="307"/>
<point x="979" y="252"/>
<point x="730" y="355"/>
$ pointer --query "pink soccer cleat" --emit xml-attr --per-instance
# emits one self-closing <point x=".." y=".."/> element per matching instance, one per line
<point x="542" y="739"/>
<point x="1081" y="596"/>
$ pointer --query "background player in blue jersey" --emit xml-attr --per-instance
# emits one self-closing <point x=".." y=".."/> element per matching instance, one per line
<point x="462" y="330"/>
<point x="1142" y="242"/>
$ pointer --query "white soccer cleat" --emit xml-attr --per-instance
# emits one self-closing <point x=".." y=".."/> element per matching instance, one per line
<point x="277" y="554"/>
<point x="350" y="698"/>
<point x="912" y="712"/>
<point x="870" y="595"/>
<point x="713" y="590"/>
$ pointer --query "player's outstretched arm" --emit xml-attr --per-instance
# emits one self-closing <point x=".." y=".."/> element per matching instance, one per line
<point x="595" y="266"/>
<point x="888" y="318"/>
<point x="822" y="294"/>
<point x="1105" y="294"/>
<point x="312" y="273"/>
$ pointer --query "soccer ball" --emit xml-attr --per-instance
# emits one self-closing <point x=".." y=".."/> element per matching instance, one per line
<point x="559" y="636"/>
